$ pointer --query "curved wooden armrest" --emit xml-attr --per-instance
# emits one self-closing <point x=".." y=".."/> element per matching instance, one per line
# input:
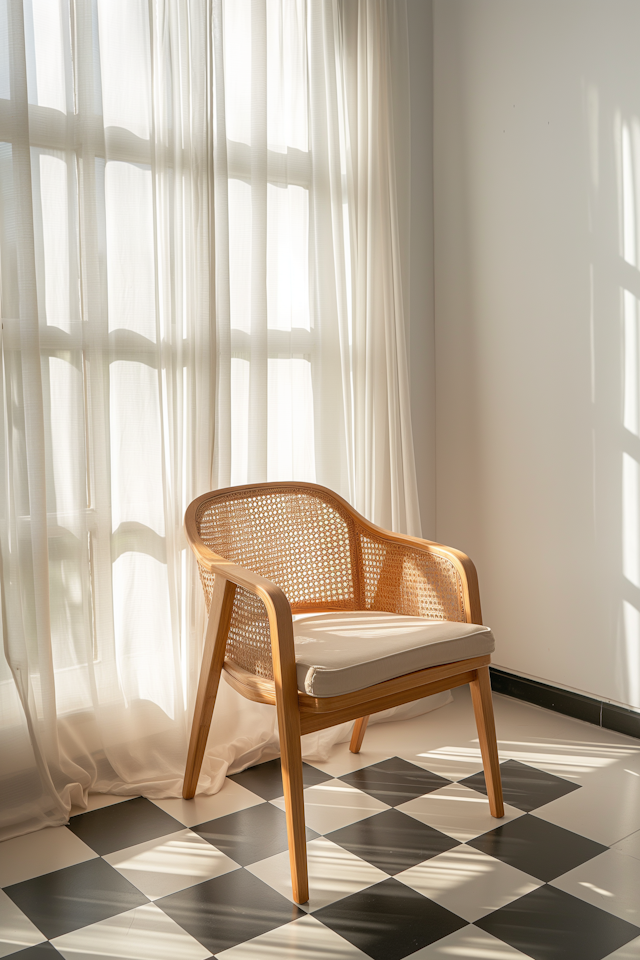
<point x="464" y="566"/>
<point x="273" y="597"/>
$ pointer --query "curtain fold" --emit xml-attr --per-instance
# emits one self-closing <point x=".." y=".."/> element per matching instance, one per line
<point x="374" y="37"/>
<point x="201" y="284"/>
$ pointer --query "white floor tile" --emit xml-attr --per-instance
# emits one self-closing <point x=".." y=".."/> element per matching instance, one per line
<point x="145" y="933"/>
<point x="16" y="930"/>
<point x="631" y="763"/>
<point x="230" y="799"/>
<point x="606" y="808"/>
<point x="453" y="724"/>
<point x="168" y="864"/>
<point x="452" y="763"/>
<point x="467" y="882"/>
<point x="343" y="761"/>
<point x="96" y="801"/>
<point x="334" y="873"/>
<point x="610" y="881"/>
<point x="468" y="943"/>
<point x="334" y="804"/>
<point x="561" y="745"/>
<point x="570" y="759"/>
<point x="33" y="854"/>
<point x="630" y="845"/>
<point x="304" y="939"/>
<point x="458" y="811"/>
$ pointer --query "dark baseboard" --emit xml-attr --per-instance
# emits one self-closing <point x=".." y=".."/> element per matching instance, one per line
<point x="576" y="705"/>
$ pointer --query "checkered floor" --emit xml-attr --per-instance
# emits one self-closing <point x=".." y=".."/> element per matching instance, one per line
<point x="405" y="860"/>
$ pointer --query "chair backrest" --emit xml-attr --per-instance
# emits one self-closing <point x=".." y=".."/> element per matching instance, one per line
<point x="299" y="537"/>
<point x="315" y="547"/>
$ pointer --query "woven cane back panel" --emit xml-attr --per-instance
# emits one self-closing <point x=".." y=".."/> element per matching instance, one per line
<point x="300" y="539"/>
<point x="410" y="582"/>
<point x="249" y="640"/>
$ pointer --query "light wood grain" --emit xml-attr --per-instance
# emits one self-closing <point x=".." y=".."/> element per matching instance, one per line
<point x="357" y="736"/>
<point x="285" y="681"/>
<point x="483" y="708"/>
<point x="311" y="722"/>
<point x="263" y="691"/>
<point x="293" y="786"/>
<point x="212" y="660"/>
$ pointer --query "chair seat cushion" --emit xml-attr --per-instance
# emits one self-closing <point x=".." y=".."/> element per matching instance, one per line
<point x="345" y="651"/>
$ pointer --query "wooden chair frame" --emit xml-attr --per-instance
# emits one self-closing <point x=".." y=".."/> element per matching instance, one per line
<point x="299" y="713"/>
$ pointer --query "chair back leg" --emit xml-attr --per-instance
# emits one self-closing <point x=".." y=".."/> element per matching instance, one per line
<point x="357" y="736"/>
<point x="483" y="709"/>
<point x="212" y="660"/>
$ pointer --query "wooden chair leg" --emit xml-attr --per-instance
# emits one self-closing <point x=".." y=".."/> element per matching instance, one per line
<point x="212" y="660"/>
<point x="294" y="806"/>
<point x="483" y="709"/>
<point x="291" y="759"/>
<point x="357" y="736"/>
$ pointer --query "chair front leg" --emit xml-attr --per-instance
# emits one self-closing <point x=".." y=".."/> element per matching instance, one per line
<point x="212" y="660"/>
<point x="291" y="756"/>
<point x="483" y="709"/>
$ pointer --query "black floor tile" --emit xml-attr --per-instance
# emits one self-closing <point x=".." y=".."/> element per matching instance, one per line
<point x="41" y="951"/>
<point x="75" y="897"/>
<point x="524" y="787"/>
<point x="249" y="835"/>
<point x="228" y="910"/>
<point x="548" y="924"/>
<point x="392" y="841"/>
<point x="123" y="825"/>
<point x="265" y="779"/>
<point x="394" y="781"/>
<point x="540" y="849"/>
<point x="389" y="921"/>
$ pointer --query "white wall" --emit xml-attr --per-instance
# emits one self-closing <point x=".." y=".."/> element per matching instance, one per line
<point x="538" y="364"/>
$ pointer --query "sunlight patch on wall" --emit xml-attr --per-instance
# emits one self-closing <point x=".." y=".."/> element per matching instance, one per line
<point x="630" y="135"/>
<point x="631" y="519"/>
<point x="631" y="625"/>
<point x="5" y="87"/>
<point x="631" y="411"/>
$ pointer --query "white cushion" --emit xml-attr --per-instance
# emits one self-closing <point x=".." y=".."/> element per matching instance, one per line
<point x="341" y="652"/>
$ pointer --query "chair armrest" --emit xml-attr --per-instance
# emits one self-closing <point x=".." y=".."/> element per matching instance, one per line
<point x="453" y="566"/>
<point x="273" y="598"/>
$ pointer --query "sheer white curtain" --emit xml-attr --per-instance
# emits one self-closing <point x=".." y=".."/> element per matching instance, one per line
<point x="309" y="276"/>
<point x="200" y="282"/>
<point x="374" y="59"/>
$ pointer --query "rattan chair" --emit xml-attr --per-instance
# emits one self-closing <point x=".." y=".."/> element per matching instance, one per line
<point x="268" y="550"/>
